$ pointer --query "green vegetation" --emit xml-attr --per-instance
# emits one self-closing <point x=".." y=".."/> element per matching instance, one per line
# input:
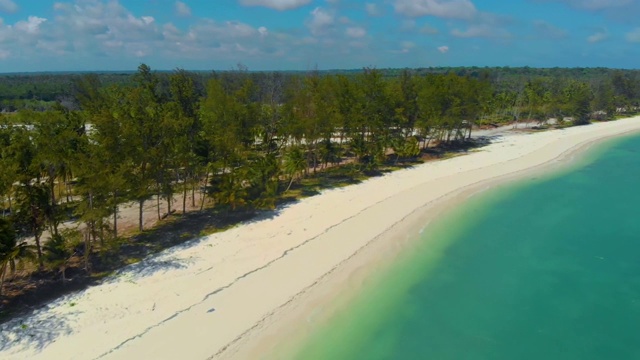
<point x="247" y="141"/>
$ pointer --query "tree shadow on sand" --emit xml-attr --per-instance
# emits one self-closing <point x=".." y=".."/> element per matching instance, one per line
<point x="183" y="231"/>
<point x="35" y="330"/>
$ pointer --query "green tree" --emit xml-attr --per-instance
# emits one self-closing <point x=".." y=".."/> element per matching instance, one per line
<point x="578" y="102"/>
<point x="604" y="100"/>
<point x="295" y="164"/>
<point x="142" y="116"/>
<point x="11" y="253"/>
<point x="59" y="249"/>
<point x="183" y="109"/>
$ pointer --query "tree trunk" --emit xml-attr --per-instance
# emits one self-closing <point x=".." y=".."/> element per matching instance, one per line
<point x="39" y="250"/>
<point x="101" y="226"/>
<point x="115" y="222"/>
<point x="140" y="211"/>
<point x="184" y="197"/>
<point x="158" y="205"/>
<point x="206" y="180"/>
<point x="67" y="188"/>
<point x="92" y="223"/>
<point x="54" y="221"/>
<point x="87" y="251"/>
<point x="93" y="230"/>
<point x="315" y="156"/>
<point x="290" y="182"/>
<point x="4" y="273"/>
<point x="115" y="214"/>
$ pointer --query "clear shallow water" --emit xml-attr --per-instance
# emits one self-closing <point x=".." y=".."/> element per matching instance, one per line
<point x="544" y="269"/>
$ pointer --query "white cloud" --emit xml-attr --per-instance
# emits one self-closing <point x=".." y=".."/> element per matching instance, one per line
<point x="443" y="49"/>
<point x="407" y="46"/>
<point x="321" y="20"/>
<point x="31" y="26"/>
<point x="481" y="31"/>
<point x="356" y="32"/>
<point x="8" y="6"/>
<point x="598" y="36"/>
<point x="594" y="5"/>
<point x="448" y="9"/>
<point x="634" y="35"/>
<point x="182" y="9"/>
<point x="276" y="4"/>
<point x="428" y="29"/>
<point x="372" y="9"/>
<point x="104" y="34"/>
<point x="547" y="30"/>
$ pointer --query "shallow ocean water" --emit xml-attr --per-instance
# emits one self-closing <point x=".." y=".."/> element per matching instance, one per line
<point x="545" y="268"/>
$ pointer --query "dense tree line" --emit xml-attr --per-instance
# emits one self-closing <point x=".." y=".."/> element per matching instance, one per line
<point x="39" y="91"/>
<point x="243" y="138"/>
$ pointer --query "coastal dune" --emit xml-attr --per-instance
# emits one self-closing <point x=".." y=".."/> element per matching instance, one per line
<point x="239" y="293"/>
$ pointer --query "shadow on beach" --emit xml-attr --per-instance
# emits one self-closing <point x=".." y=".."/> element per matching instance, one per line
<point x="140" y="255"/>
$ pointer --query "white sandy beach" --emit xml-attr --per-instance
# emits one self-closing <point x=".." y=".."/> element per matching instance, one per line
<point x="235" y="294"/>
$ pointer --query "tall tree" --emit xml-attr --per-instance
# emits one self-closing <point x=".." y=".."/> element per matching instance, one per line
<point x="142" y="118"/>
<point x="11" y="252"/>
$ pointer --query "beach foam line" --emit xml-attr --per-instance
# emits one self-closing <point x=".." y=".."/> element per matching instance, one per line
<point x="224" y="295"/>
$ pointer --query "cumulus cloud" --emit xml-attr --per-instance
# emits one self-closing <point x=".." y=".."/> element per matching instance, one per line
<point x="598" y="36"/>
<point x="593" y="5"/>
<point x="407" y="46"/>
<point x="443" y="49"/>
<point x="8" y="6"/>
<point x="321" y="21"/>
<point x="276" y="4"/>
<point x="87" y="28"/>
<point x="548" y="31"/>
<point x="481" y="31"/>
<point x="31" y="26"/>
<point x="182" y="9"/>
<point x="428" y="29"/>
<point x="104" y="34"/>
<point x="634" y="35"/>
<point x="373" y="9"/>
<point x="448" y="9"/>
<point x="356" y="32"/>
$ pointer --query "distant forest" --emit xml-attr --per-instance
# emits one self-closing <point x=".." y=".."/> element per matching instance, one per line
<point x="39" y="91"/>
<point x="77" y="147"/>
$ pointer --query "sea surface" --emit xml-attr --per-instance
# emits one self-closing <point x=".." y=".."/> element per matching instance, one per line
<point x="545" y="268"/>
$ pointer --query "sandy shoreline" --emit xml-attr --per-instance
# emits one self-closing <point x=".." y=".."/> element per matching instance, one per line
<point x="235" y="294"/>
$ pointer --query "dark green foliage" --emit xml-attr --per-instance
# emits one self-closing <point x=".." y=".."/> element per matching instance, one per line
<point x="244" y="138"/>
<point x="11" y="252"/>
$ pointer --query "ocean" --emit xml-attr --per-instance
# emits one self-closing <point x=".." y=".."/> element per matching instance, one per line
<point x="543" y="268"/>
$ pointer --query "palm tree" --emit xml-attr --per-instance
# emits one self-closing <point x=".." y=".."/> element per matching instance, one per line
<point x="11" y="252"/>
<point x="60" y="248"/>
<point x="295" y="162"/>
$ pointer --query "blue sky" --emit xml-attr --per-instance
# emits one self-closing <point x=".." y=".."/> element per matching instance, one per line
<point x="63" y="35"/>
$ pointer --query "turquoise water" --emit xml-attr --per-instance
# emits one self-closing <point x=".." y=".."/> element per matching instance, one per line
<point x="544" y="269"/>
